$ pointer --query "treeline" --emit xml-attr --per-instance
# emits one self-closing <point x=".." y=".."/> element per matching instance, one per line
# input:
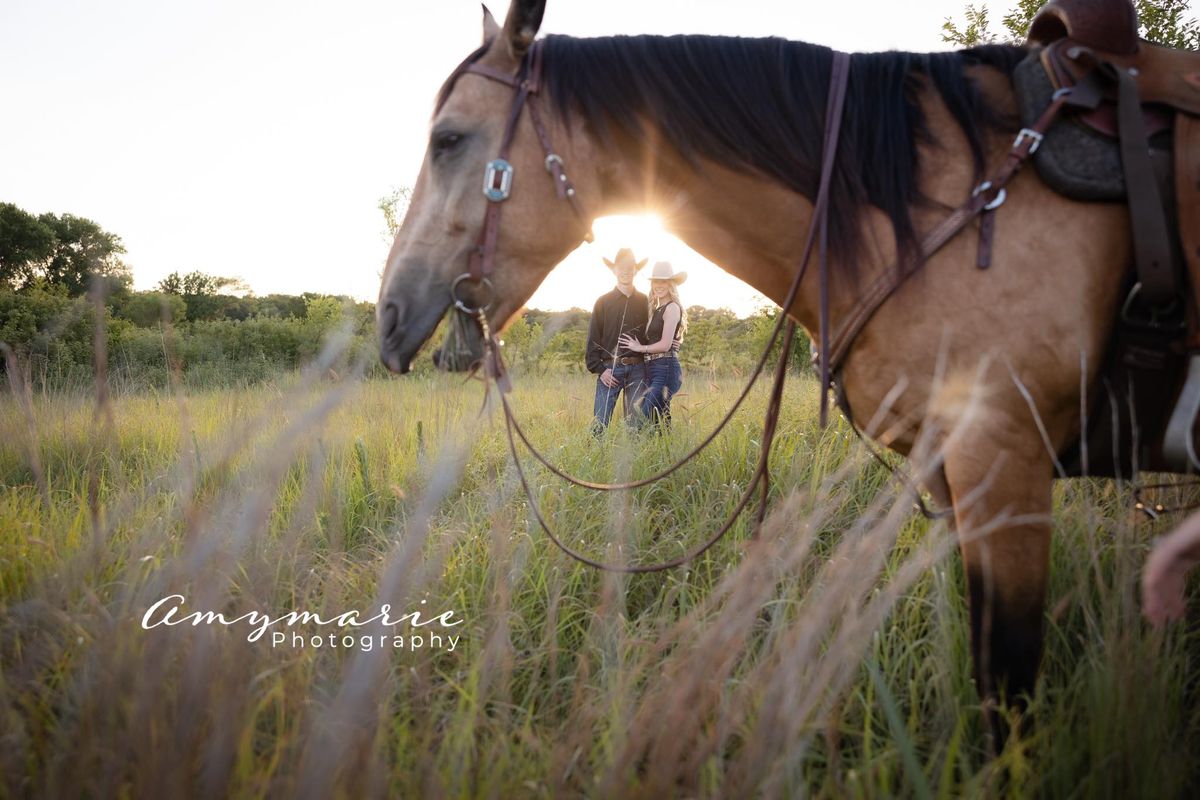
<point x="58" y="273"/>
<point x="217" y="340"/>
<point x="211" y="340"/>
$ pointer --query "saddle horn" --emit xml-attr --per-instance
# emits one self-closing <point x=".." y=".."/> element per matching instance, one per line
<point x="1107" y="25"/>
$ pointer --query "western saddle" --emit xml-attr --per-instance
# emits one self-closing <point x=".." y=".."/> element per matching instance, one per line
<point x="1138" y="93"/>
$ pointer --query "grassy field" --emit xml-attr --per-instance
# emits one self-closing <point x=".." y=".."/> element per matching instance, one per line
<point x="827" y="657"/>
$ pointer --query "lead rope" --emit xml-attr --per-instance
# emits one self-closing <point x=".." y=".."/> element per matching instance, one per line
<point x="839" y="76"/>
<point x="760" y="472"/>
<point x="902" y="478"/>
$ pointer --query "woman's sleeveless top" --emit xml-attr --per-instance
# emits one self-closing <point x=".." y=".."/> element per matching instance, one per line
<point x="654" y="328"/>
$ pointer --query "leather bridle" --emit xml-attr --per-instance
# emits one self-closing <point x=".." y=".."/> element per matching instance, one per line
<point x="498" y="173"/>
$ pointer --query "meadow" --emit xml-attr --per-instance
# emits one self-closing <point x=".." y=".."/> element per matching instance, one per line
<point x="825" y="656"/>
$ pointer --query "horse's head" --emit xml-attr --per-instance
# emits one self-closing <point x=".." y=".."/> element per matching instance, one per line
<point x="446" y="217"/>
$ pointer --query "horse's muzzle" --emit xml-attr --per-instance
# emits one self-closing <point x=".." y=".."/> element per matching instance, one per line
<point x="403" y="328"/>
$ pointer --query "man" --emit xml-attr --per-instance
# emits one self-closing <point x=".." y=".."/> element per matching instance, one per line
<point x="617" y="369"/>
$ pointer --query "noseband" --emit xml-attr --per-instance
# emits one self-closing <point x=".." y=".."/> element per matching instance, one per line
<point x="498" y="173"/>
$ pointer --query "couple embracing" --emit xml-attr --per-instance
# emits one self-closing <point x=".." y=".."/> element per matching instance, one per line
<point x="633" y="343"/>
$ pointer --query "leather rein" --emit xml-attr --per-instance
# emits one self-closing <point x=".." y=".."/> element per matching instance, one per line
<point x="497" y="186"/>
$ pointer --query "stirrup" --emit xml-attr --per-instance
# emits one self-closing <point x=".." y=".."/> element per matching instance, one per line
<point x="1179" y="447"/>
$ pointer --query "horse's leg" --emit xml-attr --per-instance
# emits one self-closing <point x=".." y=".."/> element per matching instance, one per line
<point x="1001" y="489"/>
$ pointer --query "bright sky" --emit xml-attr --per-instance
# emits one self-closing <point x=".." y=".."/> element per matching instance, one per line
<point x="254" y="138"/>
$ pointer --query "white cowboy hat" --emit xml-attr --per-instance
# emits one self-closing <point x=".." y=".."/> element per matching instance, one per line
<point x="625" y="256"/>
<point x="663" y="271"/>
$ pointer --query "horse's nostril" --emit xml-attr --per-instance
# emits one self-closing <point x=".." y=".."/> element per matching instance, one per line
<point x="390" y="329"/>
<point x="389" y="318"/>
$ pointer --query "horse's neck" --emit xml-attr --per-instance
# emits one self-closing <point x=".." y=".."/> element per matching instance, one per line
<point x="752" y="227"/>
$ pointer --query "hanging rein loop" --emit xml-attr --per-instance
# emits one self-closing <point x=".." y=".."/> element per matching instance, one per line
<point x="498" y="179"/>
<point x="760" y="473"/>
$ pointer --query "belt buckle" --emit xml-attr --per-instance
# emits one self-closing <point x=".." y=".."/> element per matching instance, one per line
<point x="1145" y="316"/>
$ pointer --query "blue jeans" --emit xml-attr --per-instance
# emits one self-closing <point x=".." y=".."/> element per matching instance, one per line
<point x="664" y="377"/>
<point x="630" y="379"/>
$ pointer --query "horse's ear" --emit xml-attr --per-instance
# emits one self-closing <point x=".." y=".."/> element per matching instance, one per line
<point x="491" y="28"/>
<point x="521" y="25"/>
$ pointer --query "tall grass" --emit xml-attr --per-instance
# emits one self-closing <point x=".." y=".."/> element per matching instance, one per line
<point x="828" y="655"/>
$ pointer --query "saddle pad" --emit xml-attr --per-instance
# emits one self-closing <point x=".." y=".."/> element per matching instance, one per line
<point x="1073" y="160"/>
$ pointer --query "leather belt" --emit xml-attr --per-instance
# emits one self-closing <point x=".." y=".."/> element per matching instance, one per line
<point x="652" y="356"/>
<point x="627" y="360"/>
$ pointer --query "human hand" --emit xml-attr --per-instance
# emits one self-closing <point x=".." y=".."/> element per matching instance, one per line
<point x="1163" y="581"/>
<point x="607" y="379"/>
<point x="629" y="343"/>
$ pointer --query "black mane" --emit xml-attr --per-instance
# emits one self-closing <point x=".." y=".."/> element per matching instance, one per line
<point x="759" y="105"/>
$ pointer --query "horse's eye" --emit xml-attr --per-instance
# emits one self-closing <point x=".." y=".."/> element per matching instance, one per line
<point x="444" y="142"/>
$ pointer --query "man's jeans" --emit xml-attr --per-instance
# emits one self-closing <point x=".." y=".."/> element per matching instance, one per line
<point x="630" y="379"/>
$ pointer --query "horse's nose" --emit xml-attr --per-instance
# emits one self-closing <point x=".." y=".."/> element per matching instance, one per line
<point x="389" y="330"/>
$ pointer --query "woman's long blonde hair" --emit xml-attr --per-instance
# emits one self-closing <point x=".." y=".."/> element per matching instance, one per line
<point x="673" y="294"/>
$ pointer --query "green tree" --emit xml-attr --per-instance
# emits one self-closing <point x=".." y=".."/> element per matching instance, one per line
<point x="204" y="296"/>
<point x="147" y="309"/>
<point x="64" y="250"/>
<point x="1163" y="22"/>
<point x="323" y="312"/>
<point x="277" y="305"/>
<point x="50" y="329"/>
<point x="523" y="342"/>
<point x="25" y="243"/>
<point x="707" y="343"/>
<point x="84" y="251"/>
<point x="974" y="30"/>
<point x="394" y="206"/>
<point x="198" y="283"/>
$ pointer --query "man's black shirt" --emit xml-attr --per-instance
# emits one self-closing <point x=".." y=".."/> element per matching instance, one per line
<point x="614" y="314"/>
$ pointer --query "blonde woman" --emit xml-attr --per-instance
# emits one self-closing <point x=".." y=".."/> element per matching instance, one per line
<point x="664" y="335"/>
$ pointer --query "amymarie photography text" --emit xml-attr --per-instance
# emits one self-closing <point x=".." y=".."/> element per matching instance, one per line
<point x="412" y="630"/>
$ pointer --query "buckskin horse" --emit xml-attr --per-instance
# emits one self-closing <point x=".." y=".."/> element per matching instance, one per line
<point x="1009" y="317"/>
